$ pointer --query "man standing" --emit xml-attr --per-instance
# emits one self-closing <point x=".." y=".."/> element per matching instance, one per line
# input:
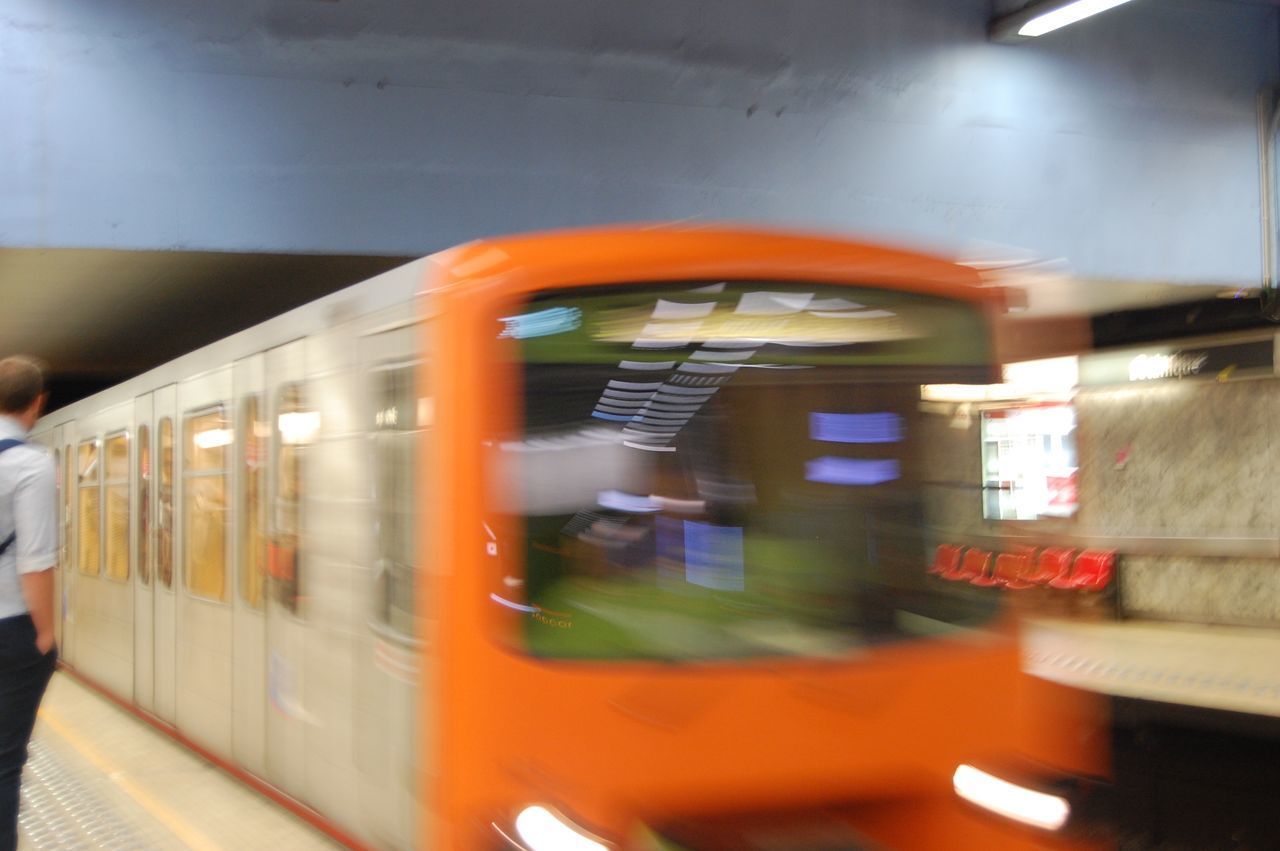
<point x="28" y="554"/>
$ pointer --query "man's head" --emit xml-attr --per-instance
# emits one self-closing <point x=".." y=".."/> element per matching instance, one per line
<point x="22" y="393"/>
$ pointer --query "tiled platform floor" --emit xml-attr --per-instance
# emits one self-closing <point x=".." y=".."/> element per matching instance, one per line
<point x="100" y="778"/>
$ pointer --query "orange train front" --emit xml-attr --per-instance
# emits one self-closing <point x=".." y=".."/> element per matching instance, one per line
<point x="685" y="501"/>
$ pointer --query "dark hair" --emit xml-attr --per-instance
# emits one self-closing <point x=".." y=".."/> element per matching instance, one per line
<point x="21" y="383"/>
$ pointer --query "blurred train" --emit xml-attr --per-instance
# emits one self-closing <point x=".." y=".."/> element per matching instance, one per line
<point x="600" y="539"/>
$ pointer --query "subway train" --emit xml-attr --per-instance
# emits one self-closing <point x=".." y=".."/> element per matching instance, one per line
<point x="612" y="538"/>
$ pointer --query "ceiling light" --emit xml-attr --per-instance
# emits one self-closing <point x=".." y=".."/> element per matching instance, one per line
<point x="1066" y="15"/>
<point x="1044" y="16"/>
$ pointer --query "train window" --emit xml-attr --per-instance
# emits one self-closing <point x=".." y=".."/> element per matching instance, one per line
<point x="204" y="498"/>
<point x="89" y="508"/>
<point x="164" y="504"/>
<point x="117" y="492"/>
<point x="295" y="427"/>
<point x="729" y="469"/>
<point x="396" y="426"/>
<point x="144" y="505"/>
<point x="253" y="469"/>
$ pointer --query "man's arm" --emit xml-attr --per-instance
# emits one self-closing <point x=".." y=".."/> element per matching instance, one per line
<point x="37" y="588"/>
<point x="35" y="509"/>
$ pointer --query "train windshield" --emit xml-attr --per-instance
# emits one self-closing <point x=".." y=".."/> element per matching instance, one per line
<point x="729" y="470"/>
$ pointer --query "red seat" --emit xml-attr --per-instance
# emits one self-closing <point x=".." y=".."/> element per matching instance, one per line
<point x="976" y="563"/>
<point x="989" y="576"/>
<point x="1012" y="570"/>
<point x="946" y="559"/>
<point x="1053" y="565"/>
<point x="1093" y="571"/>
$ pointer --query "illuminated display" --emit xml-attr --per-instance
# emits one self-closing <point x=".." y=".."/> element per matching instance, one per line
<point x="856" y="428"/>
<point x="1029" y="463"/>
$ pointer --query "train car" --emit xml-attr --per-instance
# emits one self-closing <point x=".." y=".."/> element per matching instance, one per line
<point x="600" y="539"/>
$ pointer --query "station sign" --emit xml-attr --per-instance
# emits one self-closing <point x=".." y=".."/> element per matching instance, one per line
<point x="1220" y="360"/>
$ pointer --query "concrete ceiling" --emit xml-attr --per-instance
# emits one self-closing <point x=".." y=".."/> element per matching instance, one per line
<point x="100" y="316"/>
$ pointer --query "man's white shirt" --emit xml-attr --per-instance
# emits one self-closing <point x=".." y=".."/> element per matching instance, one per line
<point x="29" y="506"/>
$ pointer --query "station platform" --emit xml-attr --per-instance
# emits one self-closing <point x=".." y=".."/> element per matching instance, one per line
<point x="1232" y="669"/>
<point x="99" y="778"/>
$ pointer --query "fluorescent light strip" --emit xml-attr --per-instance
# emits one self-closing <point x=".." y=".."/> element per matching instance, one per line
<point x="668" y="389"/>
<point x="663" y="429"/>
<point x="648" y="448"/>
<point x="1018" y="803"/>
<point x="1066" y="15"/>
<point x="647" y="366"/>
<point x="708" y="368"/>
<point x="703" y="354"/>
<point x="634" y="385"/>
<point x="677" y="416"/>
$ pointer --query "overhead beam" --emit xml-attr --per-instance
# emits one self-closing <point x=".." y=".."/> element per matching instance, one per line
<point x="1043" y="17"/>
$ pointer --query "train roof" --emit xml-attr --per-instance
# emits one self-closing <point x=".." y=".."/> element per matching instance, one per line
<point x="634" y="253"/>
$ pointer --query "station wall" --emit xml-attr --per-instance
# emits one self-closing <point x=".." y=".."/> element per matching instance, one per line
<point x="1198" y="464"/>
<point x="1166" y="459"/>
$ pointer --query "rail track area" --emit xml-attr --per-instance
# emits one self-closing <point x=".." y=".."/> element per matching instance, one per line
<point x="99" y="778"/>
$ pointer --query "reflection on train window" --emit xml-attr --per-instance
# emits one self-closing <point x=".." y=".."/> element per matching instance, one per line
<point x="395" y="423"/>
<point x="729" y="470"/>
<point x="117" y="488"/>
<point x="164" y="505"/>
<point x="253" y="469"/>
<point x="68" y="488"/>
<point x="204" y="503"/>
<point x="295" y="427"/>
<point x="90" y="502"/>
<point x="144" y="505"/>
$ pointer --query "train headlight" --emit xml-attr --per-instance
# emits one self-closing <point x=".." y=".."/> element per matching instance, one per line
<point x="1010" y="800"/>
<point x="542" y="829"/>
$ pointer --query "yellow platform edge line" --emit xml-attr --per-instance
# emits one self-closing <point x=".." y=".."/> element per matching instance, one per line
<point x="177" y="825"/>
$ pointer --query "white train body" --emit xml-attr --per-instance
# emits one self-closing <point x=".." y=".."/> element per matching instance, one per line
<point x="315" y="696"/>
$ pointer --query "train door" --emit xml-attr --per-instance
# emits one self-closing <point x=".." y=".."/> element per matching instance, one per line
<point x="290" y="421"/>
<point x="389" y="655"/>
<point x="249" y="655"/>
<point x="104" y="597"/>
<point x="66" y="562"/>
<point x="143" y="554"/>
<point x="164" y="628"/>
<point x="204" y="438"/>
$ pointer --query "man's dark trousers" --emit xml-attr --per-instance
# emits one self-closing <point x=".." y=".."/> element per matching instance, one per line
<point x="24" y="674"/>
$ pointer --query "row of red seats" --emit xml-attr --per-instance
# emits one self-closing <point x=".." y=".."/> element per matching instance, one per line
<point x="1055" y="567"/>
